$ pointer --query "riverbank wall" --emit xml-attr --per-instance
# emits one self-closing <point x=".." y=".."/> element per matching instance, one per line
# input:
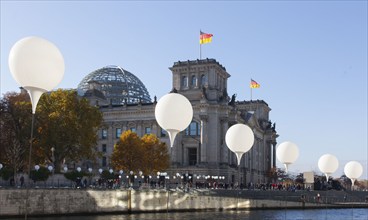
<point x="88" y="201"/>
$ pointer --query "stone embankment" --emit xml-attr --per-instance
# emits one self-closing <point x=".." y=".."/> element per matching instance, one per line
<point x="72" y="201"/>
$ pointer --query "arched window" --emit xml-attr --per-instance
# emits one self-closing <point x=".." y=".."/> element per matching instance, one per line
<point x="184" y="81"/>
<point x="203" y="80"/>
<point x="194" y="129"/>
<point x="194" y="81"/>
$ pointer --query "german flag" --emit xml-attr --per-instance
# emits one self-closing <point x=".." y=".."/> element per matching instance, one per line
<point x="254" y="84"/>
<point x="205" y="38"/>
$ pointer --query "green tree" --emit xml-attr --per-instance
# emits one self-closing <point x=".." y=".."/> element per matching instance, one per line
<point x="74" y="175"/>
<point x="6" y="173"/>
<point x="15" y="126"/>
<point x="107" y="175"/>
<point x="68" y="124"/>
<point x="40" y="175"/>
<point x="147" y="154"/>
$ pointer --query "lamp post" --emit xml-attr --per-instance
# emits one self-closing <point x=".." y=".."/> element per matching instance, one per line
<point x="53" y="158"/>
<point x="90" y="175"/>
<point x="131" y="179"/>
<point x="37" y="167"/>
<point x="120" y="175"/>
<point x="287" y="153"/>
<point x="38" y="66"/>
<point x="239" y="138"/>
<point x="51" y="169"/>
<point x="353" y="170"/>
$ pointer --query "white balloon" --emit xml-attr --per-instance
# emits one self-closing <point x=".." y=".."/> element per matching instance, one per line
<point x="79" y="169"/>
<point x="353" y="170"/>
<point x="287" y="153"/>
<point x="37" y="65"/>
<point x="100" y="170"/>
<point x="50" y="168"/>
<point x="239" y="138"/>
<point x="65" y="169"/>
<point x="1" y="166"/>
<point x="328" y="164"/>
<point x="173" y="112"/>
<point x="37" y="167"/>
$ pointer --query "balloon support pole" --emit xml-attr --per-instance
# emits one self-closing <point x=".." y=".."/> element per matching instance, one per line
<point x="286" y="165"/>
<point x="327" y="176"/>
<point x="239" y="156"/>
<point x="172" y="135"/>
<point x="35" y="95"/>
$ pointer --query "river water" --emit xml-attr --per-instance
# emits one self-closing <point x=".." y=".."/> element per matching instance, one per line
<point x="282" y="214"/>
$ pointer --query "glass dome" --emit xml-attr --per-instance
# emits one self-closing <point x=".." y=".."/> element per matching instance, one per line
<point x="117" y="84"/>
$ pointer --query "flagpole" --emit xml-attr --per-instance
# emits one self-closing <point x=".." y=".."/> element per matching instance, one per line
<point x="251" y="89"/>
<point x="200" y="51"/>
<point x="200" y="45"/>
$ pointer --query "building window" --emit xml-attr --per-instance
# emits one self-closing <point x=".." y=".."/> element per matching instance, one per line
<point x="147" y="130"/>
<point x="118" y="132"/>
<point x="133" y="130"/>
<point x="184" y="81"/>
<point x="104" y="148"/>
<point x="192" y="156"/>
<point x="203" y="80"/>
<point x="194" y="129"/>
<point x="163" y="133"/>
<point x="104" y="161"/>
<point x="194" y="81"/>
<point x="104" y="134"/>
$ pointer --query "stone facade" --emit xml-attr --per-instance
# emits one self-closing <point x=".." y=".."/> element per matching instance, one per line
<point x="201" y="149"/>
<point x="51" y="202"/>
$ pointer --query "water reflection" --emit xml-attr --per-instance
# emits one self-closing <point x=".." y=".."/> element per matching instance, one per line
<point x="310" y="214"/>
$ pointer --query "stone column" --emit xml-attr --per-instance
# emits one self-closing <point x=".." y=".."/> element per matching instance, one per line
<point x="274" y="154"/>
<point x="204" y="131"/>
<point x="139" y="128"/>
<point x="224" y="149"/>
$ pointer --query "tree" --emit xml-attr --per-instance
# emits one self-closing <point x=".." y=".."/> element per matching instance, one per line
<point x="40" y="175"/>
<point x="147" y="154"/>
<point x="63" y="121"/>
<point x="68" y="124"/>
<point x="74" y="175"/>
<point x="156" y="154"/>
<point x="299" y="179"/>
<point x="128" y="152"/>
<point x="15" y="126"/>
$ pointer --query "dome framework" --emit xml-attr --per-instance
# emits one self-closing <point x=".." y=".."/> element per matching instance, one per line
<point x="118" y="85"/>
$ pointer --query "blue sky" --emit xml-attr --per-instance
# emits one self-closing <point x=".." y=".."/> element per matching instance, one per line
<point x="310" y="57"/>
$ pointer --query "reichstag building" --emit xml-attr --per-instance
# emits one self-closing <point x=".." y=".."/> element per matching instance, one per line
<point x="200" y="149"/>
